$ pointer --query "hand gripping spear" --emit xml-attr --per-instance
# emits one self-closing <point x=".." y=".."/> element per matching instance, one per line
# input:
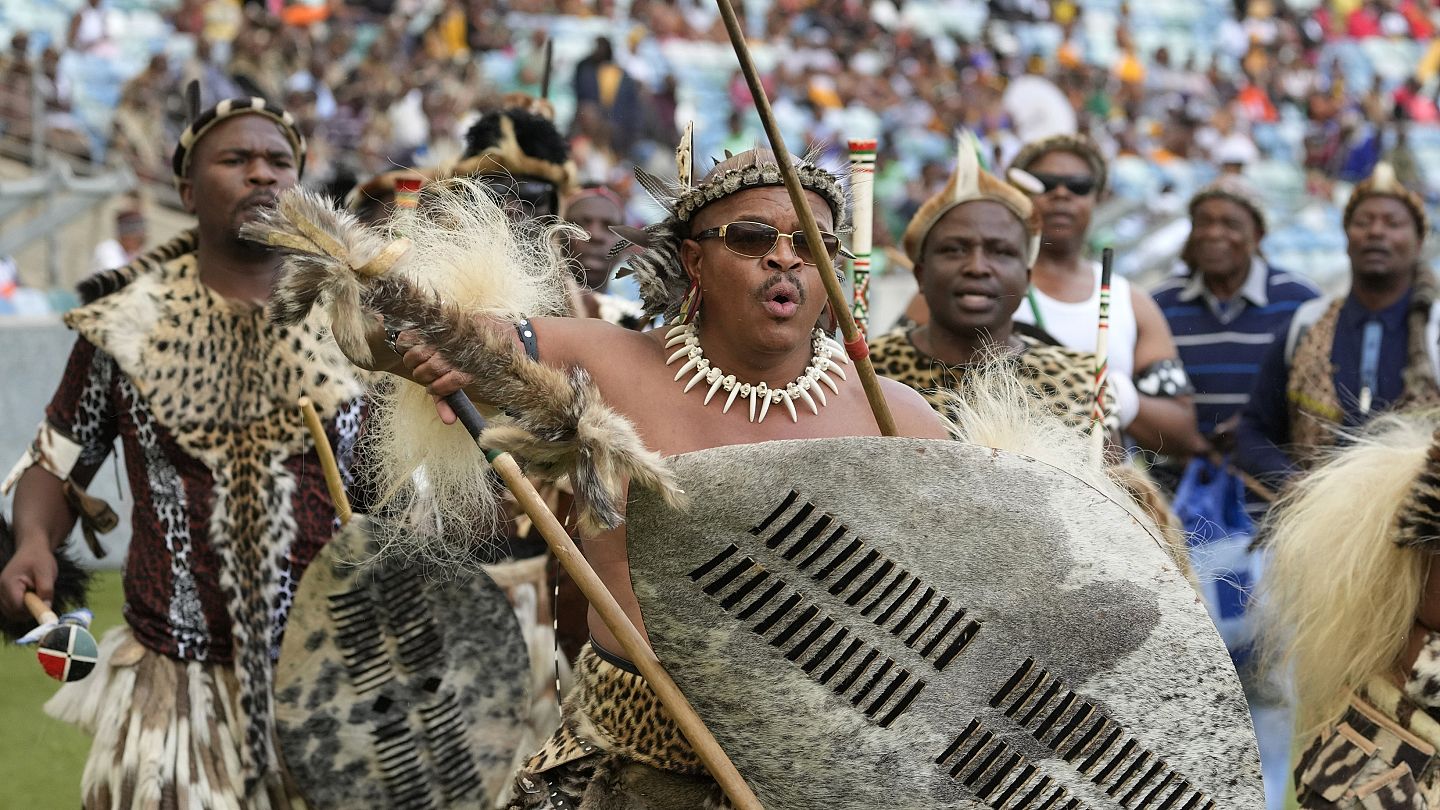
<point x="631" y="641"/>
<point x="855" y="346"/>
<point x="636" y="649"/>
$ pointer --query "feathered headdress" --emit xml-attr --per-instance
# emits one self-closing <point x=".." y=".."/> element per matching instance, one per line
<point x="657" y="268"/>
<point x="971" y="183"/>
<point x="519" y="140"/>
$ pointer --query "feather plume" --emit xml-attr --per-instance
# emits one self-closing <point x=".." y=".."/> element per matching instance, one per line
<point x="967" y="166"/>
<point x="684" y="155"/>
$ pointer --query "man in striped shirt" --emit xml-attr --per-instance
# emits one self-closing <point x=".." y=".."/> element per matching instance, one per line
<point x="1231" y="304"/>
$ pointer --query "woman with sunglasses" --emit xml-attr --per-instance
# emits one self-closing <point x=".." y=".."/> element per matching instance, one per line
<point x="1151" y="390"/>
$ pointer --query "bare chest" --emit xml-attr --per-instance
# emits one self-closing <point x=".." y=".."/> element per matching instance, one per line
<point x="672" y="420"/>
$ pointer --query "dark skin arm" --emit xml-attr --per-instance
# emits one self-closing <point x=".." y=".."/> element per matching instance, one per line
<point x="1164" y="424"/>
<point x="43" y="520"/>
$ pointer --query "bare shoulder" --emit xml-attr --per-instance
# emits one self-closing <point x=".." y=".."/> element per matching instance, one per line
<point x="1147" y="312"/>
<point x="590" y="342"/>
<point x="1153" y="339"/>
<point x="913" y="415"/>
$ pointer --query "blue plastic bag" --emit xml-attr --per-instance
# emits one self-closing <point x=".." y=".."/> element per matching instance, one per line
<point x="1210" y="503"/>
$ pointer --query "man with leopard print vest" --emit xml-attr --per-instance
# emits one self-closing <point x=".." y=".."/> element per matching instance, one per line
<point x="971" y="246"/>
<point x="177" y="359"/>
<point x="1347" y="359"/>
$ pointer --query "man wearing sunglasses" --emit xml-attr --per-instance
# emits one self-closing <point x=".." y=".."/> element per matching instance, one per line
<point x="1152" y="393"/>
<point x="738" y="286"/>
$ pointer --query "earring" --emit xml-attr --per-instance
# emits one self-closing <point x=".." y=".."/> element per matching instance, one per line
<point x="690" y="305"/>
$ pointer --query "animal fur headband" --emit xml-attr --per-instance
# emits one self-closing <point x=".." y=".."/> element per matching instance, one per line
<point x="657" y="268"/>
<point x="1383" y="183"/>
<point x="971" y="183"/>
<point x="1235" y="189"/>
<point x="225" y="110"/>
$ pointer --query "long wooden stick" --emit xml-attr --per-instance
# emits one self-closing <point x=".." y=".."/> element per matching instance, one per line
<point x="39" y="610"/>
<point x="333" y="482"/>
<point x="854" y="341"/>
<point x="862" y="195"/>
<point x="1102" y="349"/>
<point x="631" y="642"/>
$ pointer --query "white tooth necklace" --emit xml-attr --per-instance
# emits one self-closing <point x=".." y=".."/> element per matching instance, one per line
<point x="807" y="388"/>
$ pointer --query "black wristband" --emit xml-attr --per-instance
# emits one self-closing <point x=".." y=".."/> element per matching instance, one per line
<point x="526" y="331"/>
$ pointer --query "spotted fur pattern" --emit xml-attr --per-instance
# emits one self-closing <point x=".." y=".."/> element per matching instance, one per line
<point x="617" y="748"/>
<point x="101" y="284"/>
<point x="224" y="380"/>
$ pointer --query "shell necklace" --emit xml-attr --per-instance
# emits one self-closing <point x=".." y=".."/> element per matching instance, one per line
<point x="806" y="388"/>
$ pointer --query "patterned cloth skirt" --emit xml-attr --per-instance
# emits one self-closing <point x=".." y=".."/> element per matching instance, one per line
<point x="168" y="734"/>
<point x="616" y="748"/>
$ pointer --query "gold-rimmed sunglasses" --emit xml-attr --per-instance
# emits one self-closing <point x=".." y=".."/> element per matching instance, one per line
<point x="755" y="240"/>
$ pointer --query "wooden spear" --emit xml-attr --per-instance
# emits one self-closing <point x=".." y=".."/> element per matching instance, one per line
<point x="631" y="641"/>
<point x="1102" y="350"/>
<point x="855" y="345"/>
<point x="862" y="194"/>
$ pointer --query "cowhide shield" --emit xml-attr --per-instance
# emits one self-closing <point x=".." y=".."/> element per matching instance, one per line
<point x="395" y="689"/>
<point x="902" y="623"/>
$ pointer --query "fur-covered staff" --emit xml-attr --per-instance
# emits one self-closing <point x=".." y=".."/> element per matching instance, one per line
<point x="862" y="198"/>
<point x="554" y="419"/>
<point x="855" y="346"/>
<point x="1102" y="349"/>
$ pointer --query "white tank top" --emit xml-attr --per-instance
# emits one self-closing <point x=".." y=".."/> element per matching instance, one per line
<point x="1074" y="325"/>
<point x="91" y="29"/>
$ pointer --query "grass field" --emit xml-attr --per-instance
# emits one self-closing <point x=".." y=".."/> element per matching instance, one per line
<point x="41" y="758"/>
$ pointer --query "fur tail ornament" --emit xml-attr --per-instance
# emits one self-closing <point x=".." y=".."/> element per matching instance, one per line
<point x="553" y="421"/>
<point x="329" y="255"/>
<point x="465" y="270"/>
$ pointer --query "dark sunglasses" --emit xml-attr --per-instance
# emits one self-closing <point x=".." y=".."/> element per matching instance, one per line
<point x="1078" y="184"/>
<point x="755" y="240"/>
<point x="537" y="194"/>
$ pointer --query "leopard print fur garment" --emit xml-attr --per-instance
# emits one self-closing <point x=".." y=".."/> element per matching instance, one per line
<point x="224" y="382"/>
<point x="616" y="749"/>
<point x="1062" y="379"/>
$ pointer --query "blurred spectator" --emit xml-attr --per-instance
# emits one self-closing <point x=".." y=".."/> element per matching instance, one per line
<point x="1230" y="305"/>
<point x="90" y="30"/>
<point x="1347" y="359"/>
<point x="126" y="245"/>
<point x="15" y="299"/>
